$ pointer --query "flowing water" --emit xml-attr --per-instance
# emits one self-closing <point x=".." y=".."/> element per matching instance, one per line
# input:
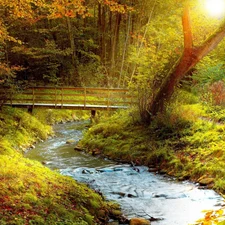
<point x="140" y="193"/>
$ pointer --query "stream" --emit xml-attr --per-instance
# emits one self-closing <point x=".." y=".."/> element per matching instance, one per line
<point x="139" y="192"/>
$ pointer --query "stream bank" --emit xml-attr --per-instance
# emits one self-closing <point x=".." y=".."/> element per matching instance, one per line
<point x="180" y="144"/>
<point x="31" y="193"/>
<point x="182" y="148"/>
<point x="140" y="193"/>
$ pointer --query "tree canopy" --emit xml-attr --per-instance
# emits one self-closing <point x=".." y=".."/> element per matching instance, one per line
<point x="108" y="43"/>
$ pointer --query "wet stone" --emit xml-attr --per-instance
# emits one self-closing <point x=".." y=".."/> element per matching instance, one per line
<point x="139" y="221"/>
<point x="113" y="223"/>
<point x="206" y="181"/>
<point x="152" y="170"/>
<point x="70" y="141"/>
<point x="79" y="148"/>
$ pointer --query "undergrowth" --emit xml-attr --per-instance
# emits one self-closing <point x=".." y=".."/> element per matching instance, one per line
<point x="32" y="194"/>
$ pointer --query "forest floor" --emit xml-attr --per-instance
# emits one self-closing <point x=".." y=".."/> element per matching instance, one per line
<point x="30" y="193"/>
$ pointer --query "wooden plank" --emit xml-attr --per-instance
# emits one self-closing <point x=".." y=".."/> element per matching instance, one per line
<point x="66" y="106"/>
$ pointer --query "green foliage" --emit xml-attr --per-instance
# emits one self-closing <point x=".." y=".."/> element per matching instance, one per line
<point x="209" y="81"/>
<point x="209" y="74"/>
<point x="183" y="97"/>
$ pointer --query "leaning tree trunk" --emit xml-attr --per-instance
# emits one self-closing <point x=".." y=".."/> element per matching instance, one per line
<point x="191" y="56"/>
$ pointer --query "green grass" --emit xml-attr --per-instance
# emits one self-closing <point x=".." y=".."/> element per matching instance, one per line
<point x="33" y="194"/>
<point x="19" y="129"/>
<point x="187" y="142"/>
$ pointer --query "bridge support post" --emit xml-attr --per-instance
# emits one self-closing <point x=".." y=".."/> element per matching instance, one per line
<point x="30" y="109"/>
<point x="93" y="113"/>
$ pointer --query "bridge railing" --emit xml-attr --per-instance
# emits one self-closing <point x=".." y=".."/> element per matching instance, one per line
<point x="69" y="97"/>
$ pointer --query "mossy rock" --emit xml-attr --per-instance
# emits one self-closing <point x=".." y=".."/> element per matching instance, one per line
<point x="206" y="181"/>
<point x="116" y="213"/>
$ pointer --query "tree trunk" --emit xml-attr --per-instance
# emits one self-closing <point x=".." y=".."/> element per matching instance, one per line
<point x="74" y="77"/>
<point x="191" y="56"/>
<point x="102" y="31"/>
<point x="115" y="44"/>
<point x="125" y="49"/>
<point x="110" y="38"/>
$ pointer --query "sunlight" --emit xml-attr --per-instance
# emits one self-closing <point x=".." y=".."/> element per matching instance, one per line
<point x="215" y="7"/>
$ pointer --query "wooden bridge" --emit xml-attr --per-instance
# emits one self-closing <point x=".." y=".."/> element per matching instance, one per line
<point x="80" y="98"/>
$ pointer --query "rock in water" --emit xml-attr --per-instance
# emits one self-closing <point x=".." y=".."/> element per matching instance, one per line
<point x="206" y="181"/>
<point x="70" y="141"/>
<point x="139" y="221"/>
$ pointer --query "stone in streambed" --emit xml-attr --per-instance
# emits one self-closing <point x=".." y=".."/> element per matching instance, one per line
<point x="139" y="221"/>
<point x="206" y="181"/>
<point x="70" y="141"/>
<point x="152" y="169"/>
<point x="79" y="148"/>
<point x="113" y="223"/>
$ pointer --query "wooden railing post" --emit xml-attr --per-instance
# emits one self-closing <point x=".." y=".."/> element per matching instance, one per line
<point x="108" y="95"/>
<point x="61" y="97"/>
<point x="33" y="96"/>
<point x="55" y="97"/>
<point x="85" y="97"/>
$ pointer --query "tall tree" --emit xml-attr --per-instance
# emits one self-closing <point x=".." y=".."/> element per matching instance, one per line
<point x="70" y="9"/>
<point x="190" y="57"/>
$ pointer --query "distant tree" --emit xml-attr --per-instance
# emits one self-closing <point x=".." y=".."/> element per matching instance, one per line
<point x="112" y="17"/>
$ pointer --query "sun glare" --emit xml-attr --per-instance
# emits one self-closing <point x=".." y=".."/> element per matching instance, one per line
<point x="215" y="7"/>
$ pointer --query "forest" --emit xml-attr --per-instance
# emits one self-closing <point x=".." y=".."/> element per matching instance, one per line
<point x="149" y="46"/>
<point x="169" y="54"/>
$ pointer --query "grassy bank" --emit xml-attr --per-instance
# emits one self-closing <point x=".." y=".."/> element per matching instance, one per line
<point x="31" y="193"/>
<point x="188" y="143"/>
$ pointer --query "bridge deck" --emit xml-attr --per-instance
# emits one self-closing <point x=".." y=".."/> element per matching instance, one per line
<point x="81" y="98"/>
<point x="66" y="106"/>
